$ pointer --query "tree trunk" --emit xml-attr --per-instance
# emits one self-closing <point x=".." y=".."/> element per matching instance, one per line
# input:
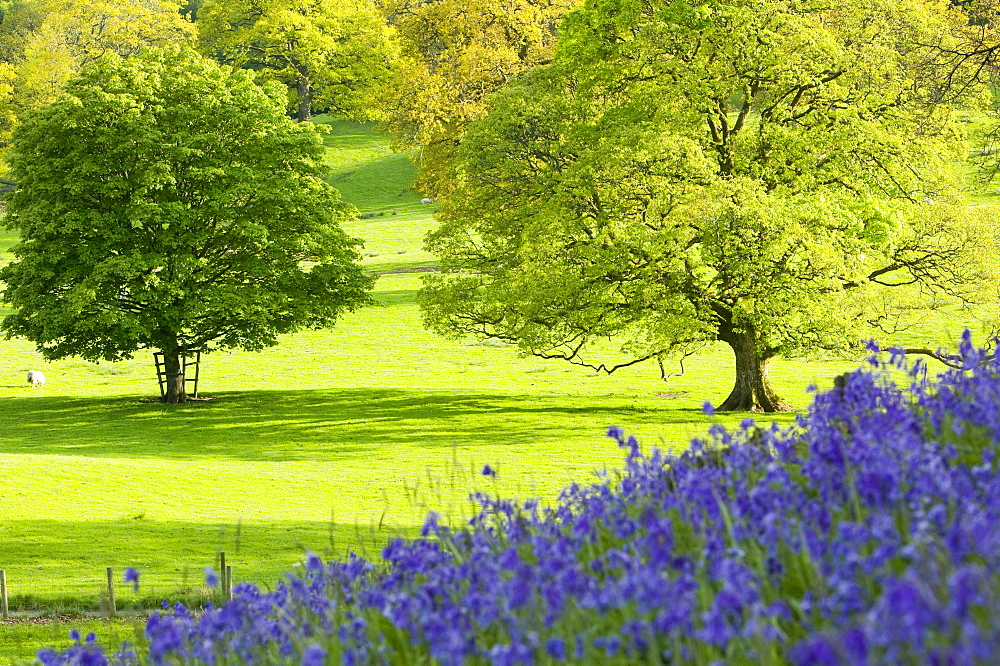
<point x="305" y="99"/>
<point x="176" y="386"/>
<point x="752" y="391"/>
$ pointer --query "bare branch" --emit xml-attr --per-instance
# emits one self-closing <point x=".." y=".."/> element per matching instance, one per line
<point x="680" y="362"/>
<point x="940" y="355"/>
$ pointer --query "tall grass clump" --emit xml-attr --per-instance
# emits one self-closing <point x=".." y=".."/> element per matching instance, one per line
<point x="864" y="534"/>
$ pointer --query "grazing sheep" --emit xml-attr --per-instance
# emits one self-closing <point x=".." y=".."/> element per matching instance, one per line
<point x="35" y="378"/>
<point x="426" y="200"/>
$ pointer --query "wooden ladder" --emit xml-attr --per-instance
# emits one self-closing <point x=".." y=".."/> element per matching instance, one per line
<point x="186" y="361"/>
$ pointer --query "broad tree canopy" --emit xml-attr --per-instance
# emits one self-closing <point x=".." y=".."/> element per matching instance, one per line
<point x="18" y="18"/>
<point x="770" y="174"/>
<point x="329" y="53"/>
<point x="167" y="202"/>
<point x="43" y="43"/>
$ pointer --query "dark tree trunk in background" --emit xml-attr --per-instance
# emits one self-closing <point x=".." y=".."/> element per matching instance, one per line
<point x="305" y="99"/>
<point x="752" y="391"/>
<point x="176" y="386"/>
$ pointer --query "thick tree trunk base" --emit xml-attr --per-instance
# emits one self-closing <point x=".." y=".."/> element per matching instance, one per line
<point x="754" y="401"/>
<point x="752" y="391"/>
<point x="176" y="387"/>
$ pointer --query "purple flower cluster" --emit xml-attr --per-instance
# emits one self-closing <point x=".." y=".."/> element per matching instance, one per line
<point x="87" y="653"/>
<point x="864" y="534"/>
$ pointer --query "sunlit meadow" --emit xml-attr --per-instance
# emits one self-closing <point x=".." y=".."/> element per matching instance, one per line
<point x="334" y="441"/>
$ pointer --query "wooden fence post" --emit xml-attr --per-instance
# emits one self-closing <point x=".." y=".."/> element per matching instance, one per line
<point x="112" y="611"/>
<point x="229" y="582"/>
<point x="3" y="594"/>
<point x="222" y="573"/>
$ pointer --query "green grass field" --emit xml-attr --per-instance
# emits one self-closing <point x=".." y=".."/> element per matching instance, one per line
<point x="332" y="441"/>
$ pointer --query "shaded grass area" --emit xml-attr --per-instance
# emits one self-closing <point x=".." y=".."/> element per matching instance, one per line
<point x="364" y="168"/>
<point x="377" y="180"/>
<point x="8" y="238"/>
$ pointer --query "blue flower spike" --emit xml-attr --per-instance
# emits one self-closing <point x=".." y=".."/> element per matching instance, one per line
<point x="132" y="576"/>
<point x="211" y="577"/>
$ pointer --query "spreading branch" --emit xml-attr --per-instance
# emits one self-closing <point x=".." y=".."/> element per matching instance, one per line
<point x="955" y="361"/>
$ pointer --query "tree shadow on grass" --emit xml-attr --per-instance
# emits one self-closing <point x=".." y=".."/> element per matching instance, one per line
<point x="393" y="297"/>
<point x="308" y="425"/>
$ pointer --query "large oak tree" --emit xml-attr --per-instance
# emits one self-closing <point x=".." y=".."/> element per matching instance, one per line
<point x="169" y="203"/>
<point x="766" y="173"/>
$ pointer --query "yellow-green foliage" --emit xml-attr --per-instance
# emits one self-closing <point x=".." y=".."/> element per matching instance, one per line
<point x="455" y="53"/>
<point x="330" y="53"/>
<point x="77" y="32"/>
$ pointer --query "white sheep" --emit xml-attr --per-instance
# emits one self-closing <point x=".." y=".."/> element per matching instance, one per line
<point x="35" y="378"/>
<point x="426" y="200"/>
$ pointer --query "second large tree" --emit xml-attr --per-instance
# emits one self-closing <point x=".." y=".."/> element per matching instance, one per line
<point x="768" y="174"/>
<point x="168" y="203"/>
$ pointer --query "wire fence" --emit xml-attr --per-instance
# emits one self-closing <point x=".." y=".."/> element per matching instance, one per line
<point x="108" y="588"/>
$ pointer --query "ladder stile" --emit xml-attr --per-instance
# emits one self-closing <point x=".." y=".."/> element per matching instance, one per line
<point x="186" y="362"/>
<point x="160" y="372"/>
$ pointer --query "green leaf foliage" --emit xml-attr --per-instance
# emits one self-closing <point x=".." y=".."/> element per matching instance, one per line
<point x="770" y="174"/>
<point x="75" y="33"/>
<point x="330" y="53"/>
<point x="18" y="18"/>
<point x="166" y="202"/>
<point x="455" y="53"/>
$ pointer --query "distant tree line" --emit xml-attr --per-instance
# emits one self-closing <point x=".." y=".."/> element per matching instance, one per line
<point x="424" y="68"/>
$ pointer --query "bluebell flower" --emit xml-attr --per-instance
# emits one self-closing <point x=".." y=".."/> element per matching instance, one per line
<point x="556" y="648"/>
<point x="314" y="564"/>
<point x="610" y="645"/>
<point x="132" y="576"/>
<point x="818" y="651"/>
<point x="314" y="655"/>
<point x="211" y="577"/>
